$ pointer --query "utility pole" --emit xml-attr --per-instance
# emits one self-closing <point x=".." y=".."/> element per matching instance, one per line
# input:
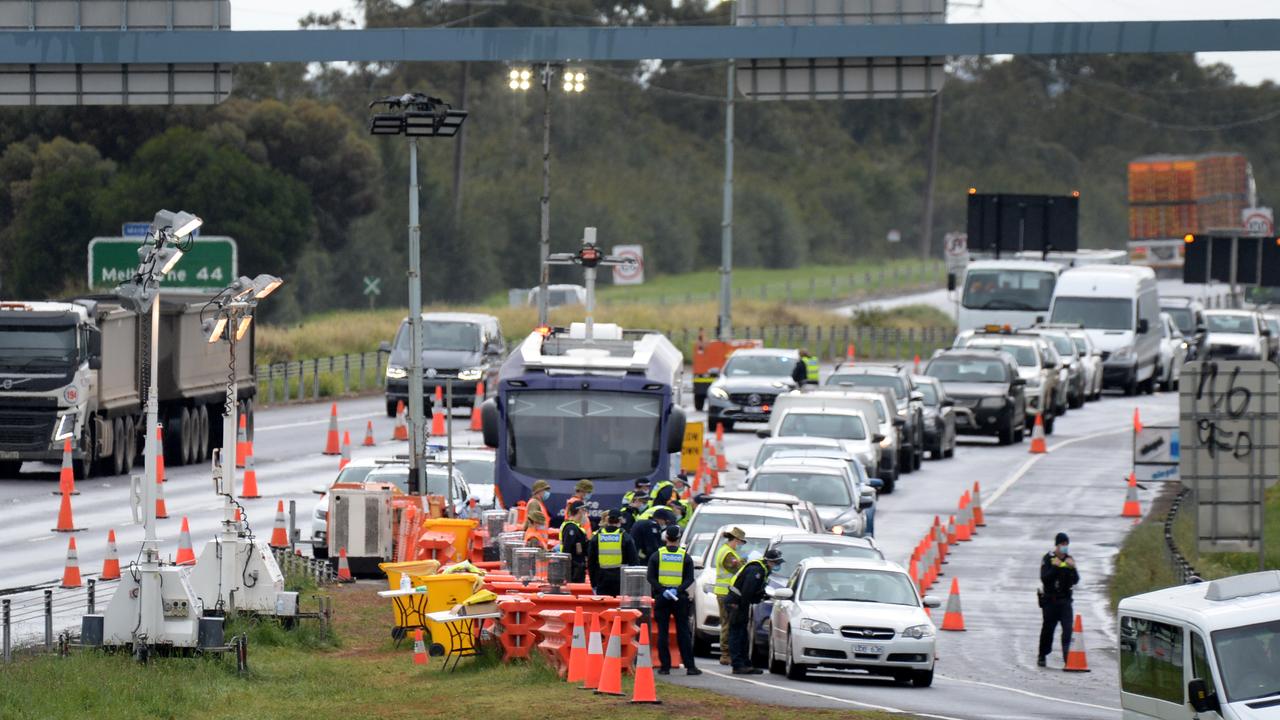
<point x="460" y="150"/>
<point x="724" y="324"/>
<point x="416" y="419"/>
<point x="544" y="244"/>
<point x="935" y="135"/>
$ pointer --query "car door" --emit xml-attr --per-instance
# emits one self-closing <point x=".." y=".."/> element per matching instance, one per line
<point x="782" y="612"/>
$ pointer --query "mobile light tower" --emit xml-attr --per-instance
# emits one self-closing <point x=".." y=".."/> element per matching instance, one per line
<point x="589" y="257"/>
<point x="154" y="605"/>
<point x="574" y="82"/>
<point x="415" y="115"/>
<point x="236" y="570"/>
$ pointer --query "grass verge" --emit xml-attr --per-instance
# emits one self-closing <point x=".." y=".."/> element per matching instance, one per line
<point x="364" y="676"/>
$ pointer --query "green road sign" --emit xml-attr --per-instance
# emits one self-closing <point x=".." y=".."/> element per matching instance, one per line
<point x="210" y="264"/>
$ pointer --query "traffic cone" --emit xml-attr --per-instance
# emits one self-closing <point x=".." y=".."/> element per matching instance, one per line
<point x="279" y="536"/>
<point x="419" y="648"/>
<point x="578" y="651"/>
<point x="595" y="656"/>
<point x="850" y="353"/>
<point x="1076" y="658"/>
<point x="67" y="475"/>
<point x="71" y="573"/>
<point x="250" y="488"/>
<point x="979" y="519"/>
<point x="953" y="620"/>
<point x="1137" y="421"/>
<point x="437" y="413"/>
<point x="160" y="456"/>
<point x="964" y="530"/>
<point x="346" y="450"/>
<point x="162" y="512"/>
<point x="644" y="690"/>
<point x="1037" y="436"/>
<point x="401" y="431"/>
<point x="968" y="516"/>
<point x="344" y="568"/>
<point x="916" y="366"/>
<point x="940" y="536"/>
<point x="111" y="564"/>
<point x="1131" y="506"/>
<point x="477" y="423"/>
<point x="186" y="556"/>
<point x="65" y="522"/>
<point x="244" y="449"/>
<point x="368" y="436"/>
<point x="331" y="443"/>
<point x="951" y="530"/>
<point x="611" y="670"/>
<point x="913" y="569"/>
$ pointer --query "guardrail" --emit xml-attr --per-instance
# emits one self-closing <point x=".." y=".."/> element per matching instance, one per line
<point x="321" y="377"/>
<point x="1181" y="566"/>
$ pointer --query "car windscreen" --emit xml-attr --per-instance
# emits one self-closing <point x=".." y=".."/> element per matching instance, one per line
<point x="793" y="551"/>
<point x="1024" y="355"/>
<point x="354" y="473"/>
<point x="759" y="365"/>
<point x="825" y="454"/>
<point x="1008" y="289"/>
<point x="839" y="427"/>
<point x="968" y="370"/>
<point x="437" y="479"/>
<point x="708" y="522"/>
<point x="929" y="392"/>
<point x="1183" y="318"/>
<point x="849" y="585"/>
<point x="1062" y="344"/>
<point x="1082" y="345"/>
<point x="583" y="433"/>
<point x="443" y="336"/>
<point x="869" y="380"/>
<point x="1094" y="313"/>
<point x="1242" y="324"/>
<point x="475" y="471"/>
<point x="1249" y="660"/>
<point x="768" y="450"/>
<point x="817" y="488"/>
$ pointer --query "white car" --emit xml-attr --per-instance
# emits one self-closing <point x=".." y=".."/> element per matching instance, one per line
<point x="1091" y="357"/>
<point x="746" y="508"/>
<point x="1236" y="335"/>
<point x="477" y="465"/>
<point x="850" y="427"/>
<point x="773" y="445"/>
<point x="852" y="614"/>
<point x="1173" y="353"/>
<point x="828" y="484"/>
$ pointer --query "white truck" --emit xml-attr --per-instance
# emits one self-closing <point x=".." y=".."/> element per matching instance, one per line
<point x="1016" y="289"/>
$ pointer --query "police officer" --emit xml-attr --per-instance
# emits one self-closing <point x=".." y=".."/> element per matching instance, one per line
<point x="727" y="561"/>
<point x="641" y="488"/>
<point x="574" y="540"/>
<point x="647" y="533"/>
<point x="747" y="589"/>
<point x="670" y="577"/>
<point x="610" y="548"/>
<point x="1058" y="575"/>
<point x="811" y="367"/>
<point x="634" y="508"/>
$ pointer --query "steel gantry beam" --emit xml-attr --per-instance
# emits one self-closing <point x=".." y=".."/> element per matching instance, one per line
<point x="635" y="43"/>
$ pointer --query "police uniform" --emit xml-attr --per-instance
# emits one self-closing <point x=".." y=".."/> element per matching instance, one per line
<point x="746" y="589"/>
<point x="672" y="569"/>
<point x="574" y="540"/>
<point x="607" y="553"/>
<point x="724" y="576"/>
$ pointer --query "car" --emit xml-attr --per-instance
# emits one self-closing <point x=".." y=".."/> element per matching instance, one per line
<point x="1236" y="335"/>
<point x="773" y="445"/>
<point x="706" y="611"/>
<point x="477" y="466"/>
<point x="829" y="420"/>
<point x="1091" y="359"/>
<point x="750" y="382"/>
<point x="462" y="349"/>
<point x="828" y="484"/>
<point x="1037" y="367"/>
<point x="987" y="384"/>
<point x="1173" y="353"/>
<point x="852" y="614"/>
<point x="871" y="403"/>
<point x="1273" y="326"/>
<point x="868" y="487"/>
<point x="558" y="295"/>
<point x="746" y="508"/>
<point x="939" y="417"/>
<point x="1188" y="315"/>
<point x="908" y="401"/>
<point x="1069" y="359"/>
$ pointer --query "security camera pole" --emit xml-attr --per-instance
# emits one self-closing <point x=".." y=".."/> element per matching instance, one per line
<point x="589" y="257"/>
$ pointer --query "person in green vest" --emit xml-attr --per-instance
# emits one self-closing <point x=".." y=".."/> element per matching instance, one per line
<point x="641" y="489"/>
<point x="727" y="562"/>
<point x="574" y="540"/>
<point x="811" y="367"/>
<point x="670" y="577"/>
<point x="660" y="492"/>
<point x="634" y="508"/>
<point x="610" y="548"/>
<point x="745" y="590"/>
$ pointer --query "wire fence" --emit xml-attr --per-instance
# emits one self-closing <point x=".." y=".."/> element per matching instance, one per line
<point x="1182" y="567"/>
<point x="299" y="380"/>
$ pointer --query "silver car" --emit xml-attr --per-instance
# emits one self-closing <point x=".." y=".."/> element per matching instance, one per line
<point x="827" y="484"/>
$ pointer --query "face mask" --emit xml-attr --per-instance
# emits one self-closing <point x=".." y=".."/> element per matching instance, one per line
<point x="586" y="496"/>
<point x="546" y="494"/>
<point x="1063" y="549"/>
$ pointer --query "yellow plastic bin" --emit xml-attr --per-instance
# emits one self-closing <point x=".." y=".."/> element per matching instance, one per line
<point x="417" y="570"/>
<point x="443" y="592"/>
<point x="460" y="529"/>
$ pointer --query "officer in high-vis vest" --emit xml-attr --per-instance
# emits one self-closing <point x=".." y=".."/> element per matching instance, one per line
<point x="610" y="548"/>
<point x="574" y="540"/>
<point x="745" y="590"/>
<point x="727" y="563"/>
<point x="636" y="506"/>
<point x="641" y="489"/>
<point x="671" y="579"/>
<point x="811" y="367"/>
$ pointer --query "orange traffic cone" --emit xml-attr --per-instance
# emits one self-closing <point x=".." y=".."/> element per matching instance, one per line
<point x="1137" y="421"/>
<point x="437" y="413"/>
<point x="279" y="536"/>
<point x="611" y="670"/>
<point x="65" y="522"/>
<point x="67" y="475"/>
<point x="401" y="431"/>
<point x="186" y="556"/>
<point x="916" y="366"/>
<point x="244" y="448"/>
<point x="162" y="512"/>
<point x="979" y="519"/>
<point x="250" y="489"/>
<point x="71" y="573"/>
<point x="722" y="462"/>
<point x="578" y="651"/>
<point x="344" y="568"/>
<point x="1076" y="659"/>
<point x="419" y="648"/>
<point x="1131" y="506"/>
<point x="964" y="528"/>
<point x="111" y="564"/>
<point x="346" y="450"/>
<point x="160" y="456"/>
<point x="477" y="423"/>
<point x="940" y="536"/>
<point x="595" y="655"/>
<point x="850" y="353"/>
<point x="1037" y="436"/>
<point x="368" y="435"/>
<point x="953" y="619"/>
<point x="951" y="530"/>
<point x="644" y="690"/>
<point x="331" y="442"/>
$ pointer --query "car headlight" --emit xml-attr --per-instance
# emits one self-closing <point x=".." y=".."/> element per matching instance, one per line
<point x="817" y="627"/>
<point x="1034" y="383"/>
<point x="395" y="372"/>
<point x="719" y="393"/>
<point x="919" y="632"/>
<point x="471" y="373"/>
<point x="887" y="441"/>
<point x="992" y="403"/>
<point x="1123" y="353"/>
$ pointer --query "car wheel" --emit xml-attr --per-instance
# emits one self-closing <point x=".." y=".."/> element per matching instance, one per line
<point x="728" y="425"/>
<point x="1077" y="400"/>
<point x="1018" y="434"/>
<point x="922" y="678"/>
<point x="795" y="671"/>
<point x="904" y="460"/>
<point x="701" y="643"/>
<point x="320" y="552"/>
<point x="917" y="459"/>
<point x="776" y="666"/>
<point x="760" y="652"/>
<point x="1006" y="434"/>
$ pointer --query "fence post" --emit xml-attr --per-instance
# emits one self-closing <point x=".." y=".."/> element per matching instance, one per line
<point x="4" y="621"/>
<point x="315" y="379"/>
<point x="813" y="290"/>
<point x="48" y="619"/>
<point x="787" y="286"/>
<point x="93" y="605"/>
<point x="346" y="373"/>
<point x="286" y="381"/>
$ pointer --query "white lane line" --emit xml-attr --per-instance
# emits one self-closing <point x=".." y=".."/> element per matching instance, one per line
<point x="831" y="698"/>
<point x="286" y="426"/>
<point x="1028" y="693"/>
<point x="1030" y="463"/>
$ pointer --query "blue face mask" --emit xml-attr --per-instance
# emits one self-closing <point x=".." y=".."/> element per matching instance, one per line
<point x="1063" y="549"/>
<point x="546" y="494"/>
<point x="586" y="496"/>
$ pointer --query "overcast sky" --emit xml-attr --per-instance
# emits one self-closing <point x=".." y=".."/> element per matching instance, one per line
<point x="1250" y="67"/>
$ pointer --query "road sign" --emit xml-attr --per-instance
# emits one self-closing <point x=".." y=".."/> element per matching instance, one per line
<point x="1156" y="452"/>
<point x="631" y="273"/>
<point x="691" y="448"/>
<point x="893" y="236"/>
<point x="955" y="248"/>
<point x="1258" y="220"/>
<point x="373" y="286"/>
<point x="1004" y="221"/>
<point x="1230" y="448"/>
<point x="135" y="229"/>
<point x="210" y="264"/>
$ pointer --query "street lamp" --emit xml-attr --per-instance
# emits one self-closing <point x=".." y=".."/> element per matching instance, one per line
<point x="574" y="81"/>
<point x="415" y="115"/>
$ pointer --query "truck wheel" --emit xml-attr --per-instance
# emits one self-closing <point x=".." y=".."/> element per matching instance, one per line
<point x="202" y="437"/>
<point x="118" y="446"/>
<point x="86" y="466"/>
<point x="130" y="445"/>
<point x="173" y="445"/>
<point x="188" y="435"/>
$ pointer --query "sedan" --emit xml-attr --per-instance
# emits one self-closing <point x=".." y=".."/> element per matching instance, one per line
<point x="987" y="384"/>
<point x="825" y="483"/>
<point x="1173" y="353"/>
<point x="852" y="614"/>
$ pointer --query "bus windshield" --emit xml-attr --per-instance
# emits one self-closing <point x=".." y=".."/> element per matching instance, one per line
<point x="1094" y="313"/>
<point x="583" y="434"/>
<point x="995" y="289"/>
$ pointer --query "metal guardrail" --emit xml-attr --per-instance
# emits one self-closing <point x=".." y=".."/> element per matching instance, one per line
<point x="321" y="377"/>
<point x="1181" y="566"/>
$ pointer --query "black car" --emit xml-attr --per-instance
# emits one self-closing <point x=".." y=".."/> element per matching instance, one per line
<point x="939" y="417"/>
<point x="466" y="348"/>
<point x="985" y="382"/>
<point x="751" y="381"/>
<point x="910" y="403"/>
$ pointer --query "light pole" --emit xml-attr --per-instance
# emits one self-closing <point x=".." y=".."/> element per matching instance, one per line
<point x="415" y="115"/>
<point x="574" y="81"/>
<point x="724" y="324"/>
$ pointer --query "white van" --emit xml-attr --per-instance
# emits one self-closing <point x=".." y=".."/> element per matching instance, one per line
<point x="1006" y="292"/>
<point x="1119" y="307"/>
<point x="1209" y="651"/>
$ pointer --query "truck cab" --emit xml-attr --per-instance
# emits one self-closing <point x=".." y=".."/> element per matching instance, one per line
<point x="1208" y="651"/>
<point x="1012" y="292"/>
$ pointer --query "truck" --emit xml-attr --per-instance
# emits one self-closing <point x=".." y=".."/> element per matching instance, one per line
<point x="590" y="401"/>
<point x="76" y="370"/>
<point x="1171" y="196"/>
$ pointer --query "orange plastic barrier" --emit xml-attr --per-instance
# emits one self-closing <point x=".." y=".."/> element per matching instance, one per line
<point x="555" y="638"/>
<point x="515" y="628"/>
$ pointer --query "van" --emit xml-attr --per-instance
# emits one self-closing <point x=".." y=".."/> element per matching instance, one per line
<point x="461" y="349"/>
<point x="1208" y="651"/>
<point x="1119" y="307"/>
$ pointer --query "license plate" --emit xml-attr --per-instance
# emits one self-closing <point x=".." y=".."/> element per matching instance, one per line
<point x="868" y="649"/>
<point x="8" y="455"/>
<point x="750" y="410"/>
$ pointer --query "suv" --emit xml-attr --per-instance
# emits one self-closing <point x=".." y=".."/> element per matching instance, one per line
<point x="465" y="347"/>
<point x="751" y="381"/>
<point x="908" y="400"/>
<point x="1236" y="335"/>
<point x="1188" y="315"/>
<point x="1035" y="366"/>
<point x="986" y="382"/>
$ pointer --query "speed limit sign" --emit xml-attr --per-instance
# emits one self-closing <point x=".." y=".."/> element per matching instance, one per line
<point x="1257" y="220"/>
<point x="631" y="273"/>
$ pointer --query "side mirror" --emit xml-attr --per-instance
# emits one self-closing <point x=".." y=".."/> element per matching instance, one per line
<point x="384" y="347"/>
<point x="782" y="593"/>
<point x="714" y="372"/>
<point x="1201" y="700"/>
<point x="95" y="362"/>
<point x="675" y="430"/>
<point x="877" y="438"/>
<point x="947" y="402"/>
<point x="1200" y="329"/>
<point x="1143" y="326"/>
<point x="489" y="422"/>
<point x="932" y="601"/>
<point x="1065" y="364"/>
<point x="1039" y="319"/>
<point x="699" y="563"/>
<point x="743" y="466"/>
<point x="876" y="483"/>
<point x="1266" y="332"/>
<point x="320" y="489"/>
<point x="1018" y="382"/>
<point x="865" y="501"/>
<point x="763" y="433"/>
<point x="94" y="337"/>
<point x="916" y="396"/>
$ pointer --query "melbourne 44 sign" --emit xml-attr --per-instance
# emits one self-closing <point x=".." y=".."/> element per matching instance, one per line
<point x="210" y="264"/>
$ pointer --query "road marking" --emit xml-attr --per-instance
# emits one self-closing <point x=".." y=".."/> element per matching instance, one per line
<point x="1028" y="693"/>
<point x="832" y="698"/>
<point x="286" y="426"/>
<point x="38" y="538"/>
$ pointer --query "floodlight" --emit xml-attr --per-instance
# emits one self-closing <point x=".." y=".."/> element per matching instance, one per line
<point x="385" y="124"/>
<point x="215" y="328"/>
<point x="264" y="285"/>
<point x="163" y="219"/>
<point x="184" y="223"/>
<point x="243" y="327"/>
<point x="135" y="297"/>
<point x="166" y="258"/>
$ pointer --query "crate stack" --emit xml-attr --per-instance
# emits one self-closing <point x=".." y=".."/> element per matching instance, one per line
<point x="1173" y="195"/>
